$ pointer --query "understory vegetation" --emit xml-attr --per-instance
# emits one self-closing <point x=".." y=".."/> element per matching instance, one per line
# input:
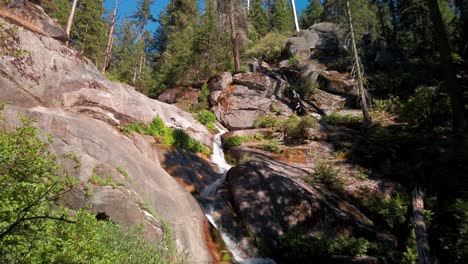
<point x="35" y="228"/>
<point x="165" y="135"/>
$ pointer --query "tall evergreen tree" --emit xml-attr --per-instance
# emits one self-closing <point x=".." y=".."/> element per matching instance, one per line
<point x="282" y="19"/>
<point x="259" y="18"/>
<point x="89" y="34"/>
<point x="312" y="14"/>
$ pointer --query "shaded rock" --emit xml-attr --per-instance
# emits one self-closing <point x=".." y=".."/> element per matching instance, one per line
<point x="270" y="199"/>
<point x="326" y="37"/>
<point x="326" y="102"/>
<point x="173" y="95"/>
<point x="298" y="47"/>
<point x="191" y="171"/>
<point x="335" y="82"/>
<point x="220" y="81"/>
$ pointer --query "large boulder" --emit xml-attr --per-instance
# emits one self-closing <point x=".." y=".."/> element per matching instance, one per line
<point x="251" y="95"/>
<point x="70" y="100"/>
<point x="220" y="81"/>
<point x="339" y="83"/>
<point x="326" y="37"/>
<point x="298" y="47"/>
<point x="271" y="199"/>
<point x="179" y="94"/>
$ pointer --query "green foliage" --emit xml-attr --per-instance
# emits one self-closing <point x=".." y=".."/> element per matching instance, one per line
<point x="269" y="121"/>
<point x="392" y="210"/>
<point x="312" y="14"/>
<point x="104" y="181"/>
<point x="270" y="47"/>
<point x="327" y="174"/>
<point x="282" y="19"/>
<point x="74" y="157"/>
<point x="183" y="140"/>
<point x="234" y="141"/>
<point x="337" y="119"/>
<point x="207" y="118"/>
<point x="427" y="108"/>
<point x="272" y="146"/>
<point x="390" y="105"/>
<point x="88" y="34"/>
<point x="30" y="184"/>
<point x="298" y="246"/>
<point x="138" y="127"/>
<point x="204" y="98"/>
<point x="295" y="128"/>
<point x="459" y="209"/>
<point x="259" y="17"/>
<point x="168" y="136"/>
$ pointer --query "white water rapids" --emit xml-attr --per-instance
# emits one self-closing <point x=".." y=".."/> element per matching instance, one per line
<point x="209" y="193"/>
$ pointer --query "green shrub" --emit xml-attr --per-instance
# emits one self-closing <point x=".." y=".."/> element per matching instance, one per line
<point x="269" y="47"/>
<point x="392" y="210"/>
<point x="269" y="121"/>
<point x="336" y="118"/>
<point x="307" y="87"/>
<point x="30" y="184"/>
<point x="390" y="105"/>
<point x="137" y="127"/>
<point x="272" y="146"/>
<point x="207" y="118"/>
<point x="295" y="128"/>
<point x="234" y="141"/>
<point x="106" y="181"/>
<point x="157" y="128"/>
<point x="327" y="174"/>
<point x="184" y="141"/>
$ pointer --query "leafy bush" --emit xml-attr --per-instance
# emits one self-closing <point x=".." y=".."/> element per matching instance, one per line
<point x="272" y="146"/>
<point x="183" y="140"/>
<point x="207" y="118"/>
<point x="234" y="141"/>
<point x="295" y="128"/>
<point x="34" y="228"/>
<point x="390" y="105"/>
<point x="269" y="121"/>
<point x="392" y="210"/>
<point x="307" y="87"/>
<point x="327" y="174"/>
<point x="166" y="135"/>
<point x="269" y="47"/>
<point x="137" y="127"/>
<point x="104" y="181"/>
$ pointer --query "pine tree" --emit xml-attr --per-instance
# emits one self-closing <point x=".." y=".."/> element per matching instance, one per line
<point x="282" y="17"/>
<point x="312" y="14"/>
<point x="89" y="33"/>
<point x="259" y="18"/>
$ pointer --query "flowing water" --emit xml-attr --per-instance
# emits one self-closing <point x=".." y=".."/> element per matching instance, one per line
<point x="209" y="193"/>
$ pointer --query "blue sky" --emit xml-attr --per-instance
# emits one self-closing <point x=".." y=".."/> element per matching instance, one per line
<point x="127" y="7"/>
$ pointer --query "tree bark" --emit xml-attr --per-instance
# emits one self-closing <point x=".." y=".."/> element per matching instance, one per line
<point x="70" y="18"/>
<point x="422" y="243"/>
<point x="454" y="89"/>
<point x="110" y="39"/>
<point x="360" y="76"/>
<point x="296" y="22"/>
<point x="235" y="45"/>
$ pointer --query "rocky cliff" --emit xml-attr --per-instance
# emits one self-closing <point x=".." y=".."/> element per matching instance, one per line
<point x="42" y="78"/>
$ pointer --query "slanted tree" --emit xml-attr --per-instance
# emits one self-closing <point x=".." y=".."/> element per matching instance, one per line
<point x="70" y="18"/>
<point x="358" y="70"/>
<point x="110" y="38"/>
<point x="296" y="22"/>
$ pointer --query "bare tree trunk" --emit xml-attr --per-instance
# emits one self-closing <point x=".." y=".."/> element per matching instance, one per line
<point x="235" y="45"/>
<point x="420" y="227"/>
<point x="454" y="89"/>
<point x="248" y="6"/>
<point x="110" y="39"/>
<point x="70" y="18"/>
<point x="360" y="76"/>
<point x="296" y="22"/>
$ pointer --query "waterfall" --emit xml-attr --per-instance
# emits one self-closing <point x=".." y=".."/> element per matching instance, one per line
<point x="209" y="193"/>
